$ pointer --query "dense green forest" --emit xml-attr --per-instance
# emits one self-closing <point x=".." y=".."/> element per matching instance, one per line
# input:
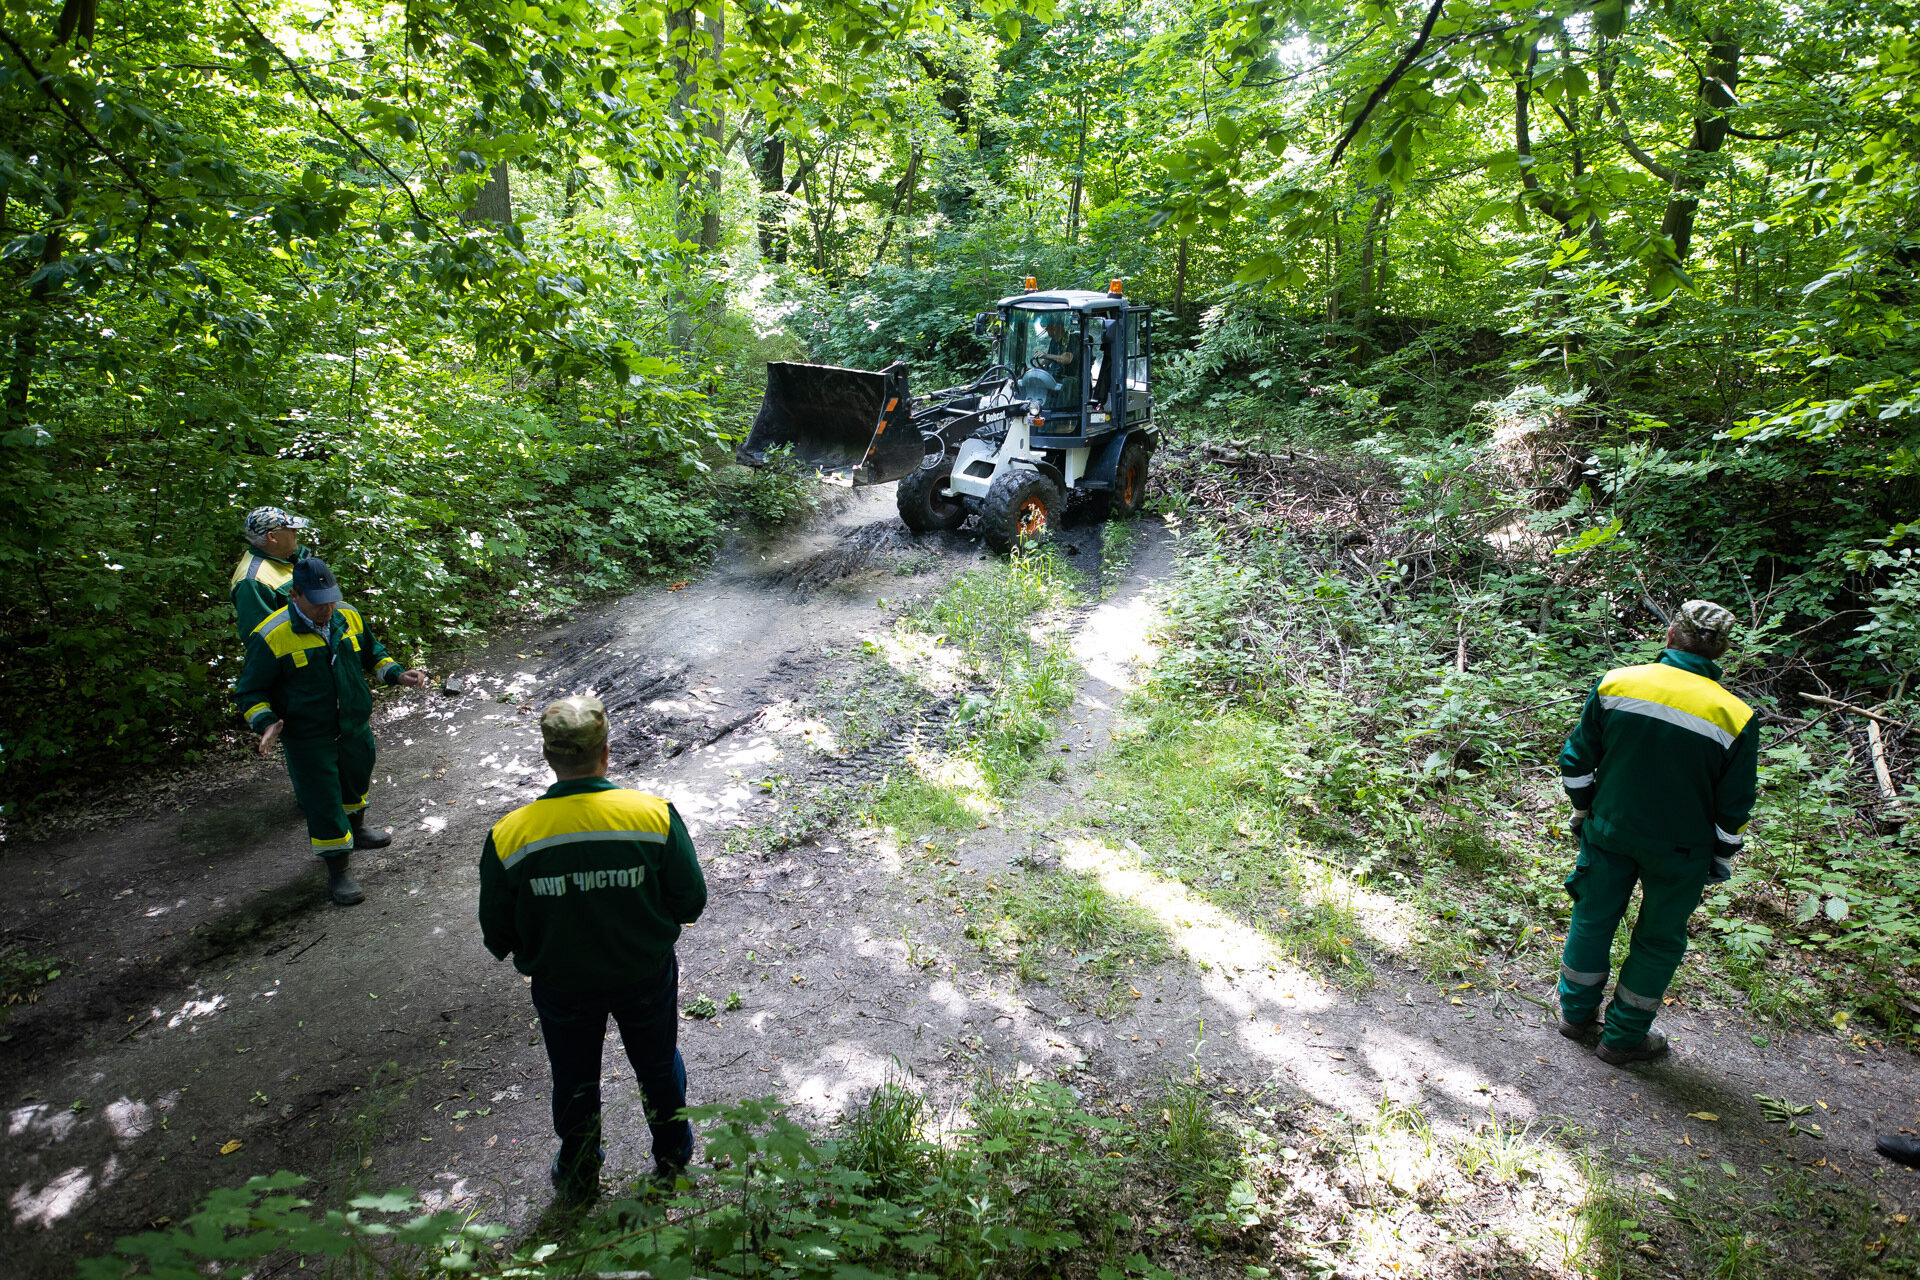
<point x="486" y="288"/>
<point x="1486" y="332"/>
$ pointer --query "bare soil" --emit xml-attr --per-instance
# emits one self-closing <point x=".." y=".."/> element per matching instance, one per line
<point x="218" y="1018"/>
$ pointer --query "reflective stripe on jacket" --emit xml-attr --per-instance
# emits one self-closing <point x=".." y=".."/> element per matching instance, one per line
<point x="587" y="887"/>
<point x="259" y="585"/>
<point x="1665" y="759"/>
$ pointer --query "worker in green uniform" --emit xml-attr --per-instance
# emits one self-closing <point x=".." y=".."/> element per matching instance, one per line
<point x="304" y="683"/>
<point x="587" y="889"/>
<point x="259" y="583"/>
<point x="1662" y="771"/>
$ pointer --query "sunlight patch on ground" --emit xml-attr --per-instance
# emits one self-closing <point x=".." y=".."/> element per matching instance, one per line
<point x="958" y="777"/>
<point x="1390" y="924"/>
<point x="52" y="1202"/>
<point x="932" y="664"/>
<point x="812" y="731"/>
<point x="194" y="1010"/>
<point x="1114" y="643"/>
<point x="853" y="1071"/>
<point x="1210" y="936"/>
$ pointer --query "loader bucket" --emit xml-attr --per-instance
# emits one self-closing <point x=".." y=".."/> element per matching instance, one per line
<point x="838" y="420"/>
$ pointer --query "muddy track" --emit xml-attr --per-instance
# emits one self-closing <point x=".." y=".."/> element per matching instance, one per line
<point x="214" y="999"/>
<point x="210" y="996"/>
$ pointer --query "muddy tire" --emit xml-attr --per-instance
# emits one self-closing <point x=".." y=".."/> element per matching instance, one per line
<point x="1021" y="509"/>
<point x="1129" y="482"/>
<point x="923" y="507"/>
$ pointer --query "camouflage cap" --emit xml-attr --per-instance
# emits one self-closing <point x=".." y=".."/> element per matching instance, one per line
<point x="262" y="521"/>
<point x="1704" y="624"/>
<point x="574" y="728"/>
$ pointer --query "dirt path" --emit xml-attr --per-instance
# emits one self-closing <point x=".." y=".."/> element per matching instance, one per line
<point x="217" y="1005"/>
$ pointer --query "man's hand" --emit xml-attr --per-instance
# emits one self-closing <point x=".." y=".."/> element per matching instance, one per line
<point x="271" y="736"/>
<point x="414" y="679"/>
<point x="1577" y="821"/>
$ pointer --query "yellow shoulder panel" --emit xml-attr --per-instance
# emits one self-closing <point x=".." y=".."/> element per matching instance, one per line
<point x="355" y="623"/>
<point x="1683" y="691"/>
<point x="269" y="573"/>
<point x="593" y="815"/>
<point x="277" y="630"/>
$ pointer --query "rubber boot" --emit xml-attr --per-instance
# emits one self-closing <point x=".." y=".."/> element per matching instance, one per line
<point x="365" y="837"/>
<point x="341" y="887"/>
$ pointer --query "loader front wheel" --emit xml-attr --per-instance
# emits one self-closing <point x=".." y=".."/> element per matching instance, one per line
<point x="1129" y="482"/>
<point x="1021" y="509"/>
<point x="926" y="506"/>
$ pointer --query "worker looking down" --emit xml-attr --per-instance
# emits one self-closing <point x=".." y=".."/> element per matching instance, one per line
<point x="1662" y="771"/>
<point x="304" y="684"/>
<point x="587" y="889"/>
<point x="260" y="581"/>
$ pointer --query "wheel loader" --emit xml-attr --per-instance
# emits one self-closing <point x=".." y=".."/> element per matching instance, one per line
<point x="1065" y="409"/>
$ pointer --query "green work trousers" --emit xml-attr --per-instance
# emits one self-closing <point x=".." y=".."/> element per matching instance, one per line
<point x="1601" y="886"/>
<point x="331" y="777"/>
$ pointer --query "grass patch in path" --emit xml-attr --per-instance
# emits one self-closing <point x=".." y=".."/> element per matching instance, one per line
<point x="1063" y="928"/>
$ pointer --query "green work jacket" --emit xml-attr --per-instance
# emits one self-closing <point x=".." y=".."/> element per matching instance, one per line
<point x="587" y="887"/>
<point x="259" y="586"/>
<point x="1665" y="760"/>
<point x="316" y="683"/>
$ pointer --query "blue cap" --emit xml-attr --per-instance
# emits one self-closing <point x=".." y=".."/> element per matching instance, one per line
<point x="315" y="582"/>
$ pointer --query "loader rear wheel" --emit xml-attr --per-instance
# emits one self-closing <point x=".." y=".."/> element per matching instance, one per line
<point x="1022" y="508"/>
<point x="1129" y="482"/>
<point x="924" y="508"/>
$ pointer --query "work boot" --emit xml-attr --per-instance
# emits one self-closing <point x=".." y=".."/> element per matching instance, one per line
<point x="365" y="837"/>
<point x="343" y="888"/>
<point x="1900" y="1150"/>
<point x="579" y="1186"/>
<point x="1651" y="1046"/>
<point x="1580" y="1031"/>
<point x="667" y="1174"/>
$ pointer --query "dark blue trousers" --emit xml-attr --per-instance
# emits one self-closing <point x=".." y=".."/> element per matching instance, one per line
<point x="574" y="1024"/>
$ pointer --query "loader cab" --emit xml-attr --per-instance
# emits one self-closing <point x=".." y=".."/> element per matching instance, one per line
<point x="1080" y="360"/>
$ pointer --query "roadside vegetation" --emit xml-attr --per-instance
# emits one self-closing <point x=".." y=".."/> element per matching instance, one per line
<point x="1485" y="334"/>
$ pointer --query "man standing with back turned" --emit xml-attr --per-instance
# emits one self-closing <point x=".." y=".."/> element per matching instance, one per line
<point x="587" y="888"/>
<point x="1662" y="770"/>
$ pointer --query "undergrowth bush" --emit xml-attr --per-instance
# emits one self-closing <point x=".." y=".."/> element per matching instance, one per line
<point x="1405" y="718"/>
<point x="452" y="508"/>
<point x="1026" y="1188"/>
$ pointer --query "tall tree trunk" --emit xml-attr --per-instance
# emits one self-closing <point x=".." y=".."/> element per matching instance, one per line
<point x="1369" y="286"/>
<point x="906" y="236"/>
<point x="903" y="190"/>
<point x="1180" y="282"/>
<point x="1079" y="179"/>
<point x="771" y="165"/>
<point x="1717" y="82"/>
<point x="1333" y="271"/>
<point x="494" y="201"/>
<point x="26" y="340"/>
<point x="697" y="224"/>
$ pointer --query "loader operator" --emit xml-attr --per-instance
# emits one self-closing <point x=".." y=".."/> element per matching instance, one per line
<point x="1662" y="771"/>
<point x="259" y="583"/>
<point x="306" y="677"/>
